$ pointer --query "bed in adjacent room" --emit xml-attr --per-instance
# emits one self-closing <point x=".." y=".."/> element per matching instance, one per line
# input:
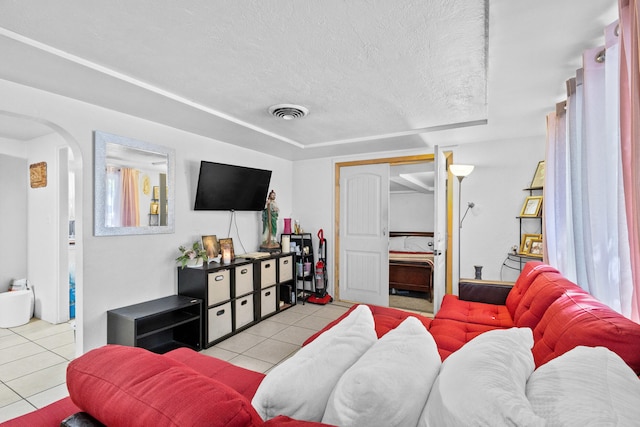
<point x="411" y="262"/>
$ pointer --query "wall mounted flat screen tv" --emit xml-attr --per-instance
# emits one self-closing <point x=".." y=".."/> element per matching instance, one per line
<point x="223" y="187"/>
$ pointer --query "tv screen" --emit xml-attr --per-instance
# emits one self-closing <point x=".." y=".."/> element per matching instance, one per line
<point x="224" y="187"/>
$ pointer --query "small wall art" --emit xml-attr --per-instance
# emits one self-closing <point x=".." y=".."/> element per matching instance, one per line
<point x="38" y="174"/>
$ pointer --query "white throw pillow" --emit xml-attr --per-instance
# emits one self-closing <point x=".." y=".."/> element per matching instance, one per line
<point x="397" y="243"/>
<point x="300" y="386"/>
<point x="483" y="383"/>
<point x="390" y="383"/>
<point x="419" y="244"/>
<point x="586" y="386"/>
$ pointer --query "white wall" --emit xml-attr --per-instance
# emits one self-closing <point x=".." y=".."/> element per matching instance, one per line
<point x="502" y="170"/>
<point x="411" y="212"/>
<point x="119" y="271"/>
<point x="43" y="231"/>
<point x="13" y="226"/>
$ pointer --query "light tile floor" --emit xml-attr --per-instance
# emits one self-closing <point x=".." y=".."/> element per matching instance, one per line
<point x="34" y="357"/>
<point x="33" y="363"/>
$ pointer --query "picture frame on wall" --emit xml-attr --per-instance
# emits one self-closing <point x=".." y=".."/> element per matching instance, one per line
<point x="532" y="206"/>
<point x="538" y="177"/>
<point x="211" y="245"/>
<point x="526" y="242"/>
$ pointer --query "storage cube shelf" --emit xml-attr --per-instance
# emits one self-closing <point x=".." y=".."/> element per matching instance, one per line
<point x="240" y="294"/>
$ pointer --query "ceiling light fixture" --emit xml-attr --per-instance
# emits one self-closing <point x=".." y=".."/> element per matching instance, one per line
<point x="288" y="111"/>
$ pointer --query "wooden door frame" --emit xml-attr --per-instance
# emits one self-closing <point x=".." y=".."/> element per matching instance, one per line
<point x="393" y="161"/>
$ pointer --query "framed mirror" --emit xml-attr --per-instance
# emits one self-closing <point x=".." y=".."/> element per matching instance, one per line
<point x="134" y="183"/>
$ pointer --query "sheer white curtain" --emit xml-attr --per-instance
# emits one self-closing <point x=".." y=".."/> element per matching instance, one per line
<point x="113" y="195"/>
<point x="584" y="209"/>
<point x="558" y="209"/>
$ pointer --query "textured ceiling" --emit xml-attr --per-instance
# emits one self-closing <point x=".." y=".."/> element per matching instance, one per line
<point x="375" y="75"/>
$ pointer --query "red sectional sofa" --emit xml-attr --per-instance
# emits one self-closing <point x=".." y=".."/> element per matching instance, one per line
<point x="130" y="386"/>
<point x="561" y="315"/>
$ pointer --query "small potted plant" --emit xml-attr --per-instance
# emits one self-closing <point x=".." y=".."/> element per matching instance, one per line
<point x="192" y="254"/>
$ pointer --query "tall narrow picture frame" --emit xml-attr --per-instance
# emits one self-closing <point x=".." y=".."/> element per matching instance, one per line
<point x="538" y="177"/>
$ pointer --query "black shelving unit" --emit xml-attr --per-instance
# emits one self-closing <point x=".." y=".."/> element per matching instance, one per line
<point x="158" y="325"/>
<point x="305" y="265"/>
<point x="239" y="294"/>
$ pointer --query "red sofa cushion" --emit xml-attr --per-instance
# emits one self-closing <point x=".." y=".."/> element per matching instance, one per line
<point x="116" y="384"/>
<point x="530" y="271"/>
<point x="450" y="335"/>
<point x="576" y="318"/>
<point x="544" y="290"/>
<point x="242" y="380"/>
<point x="453" y="308"/>
<point x="386" y="319"/>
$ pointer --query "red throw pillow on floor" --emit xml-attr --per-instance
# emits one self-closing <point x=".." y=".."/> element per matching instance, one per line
<point x="126" y="386"/>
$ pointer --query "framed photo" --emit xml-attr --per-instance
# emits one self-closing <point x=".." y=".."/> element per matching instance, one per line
<point x="527" y="240"/>
<point x="538" y="177"/>
<point x="532" y="206"/>
<point x="227" y="243"/>
<point x="210" y="244"/>
<point x="535" y="249"/>
<point x="156" y="192"/>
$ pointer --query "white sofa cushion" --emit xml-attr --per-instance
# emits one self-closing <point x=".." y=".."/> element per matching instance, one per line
<point x="390" y="383"/>
<point x="300" y="386"/>
<point x="586" y="386"/>
<point x="484" y="383"/>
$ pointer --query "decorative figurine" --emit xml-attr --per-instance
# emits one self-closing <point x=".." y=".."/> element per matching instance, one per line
<point x="270" y="223"/>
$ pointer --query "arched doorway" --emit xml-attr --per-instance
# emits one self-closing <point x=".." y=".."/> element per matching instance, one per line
<point x="49" y="258"/>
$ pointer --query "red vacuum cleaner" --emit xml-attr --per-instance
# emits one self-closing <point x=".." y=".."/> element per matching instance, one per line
<point x="320" y="296"/>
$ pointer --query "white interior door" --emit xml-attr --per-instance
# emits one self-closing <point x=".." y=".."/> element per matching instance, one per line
<point x="440" y="228"/>
<point x="364" y="240"/>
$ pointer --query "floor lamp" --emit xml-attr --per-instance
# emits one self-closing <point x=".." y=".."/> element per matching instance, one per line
<point x="460" y="171"/>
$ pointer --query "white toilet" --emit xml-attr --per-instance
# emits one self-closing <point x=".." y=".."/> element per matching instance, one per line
<point x="16" y="308"/>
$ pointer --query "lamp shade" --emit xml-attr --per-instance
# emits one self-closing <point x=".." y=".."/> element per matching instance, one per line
<point x="461" y="170"/>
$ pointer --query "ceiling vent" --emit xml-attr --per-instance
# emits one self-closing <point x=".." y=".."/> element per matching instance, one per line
<point x="288" y="111"/>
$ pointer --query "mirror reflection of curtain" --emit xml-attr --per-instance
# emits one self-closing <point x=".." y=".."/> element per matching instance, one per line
<point x="112" y="199"/>
<point x="130" y="197"/>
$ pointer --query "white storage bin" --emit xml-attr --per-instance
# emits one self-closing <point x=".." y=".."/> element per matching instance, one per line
<point x="244" y="311"/>
<point x="219" y="323"/>
<point x="267" y="273"/>
<point x="244" y="279"/>
<point x="267" y="301"/>
<point x="286" y="268"/>
<point x="218" y="287"/>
